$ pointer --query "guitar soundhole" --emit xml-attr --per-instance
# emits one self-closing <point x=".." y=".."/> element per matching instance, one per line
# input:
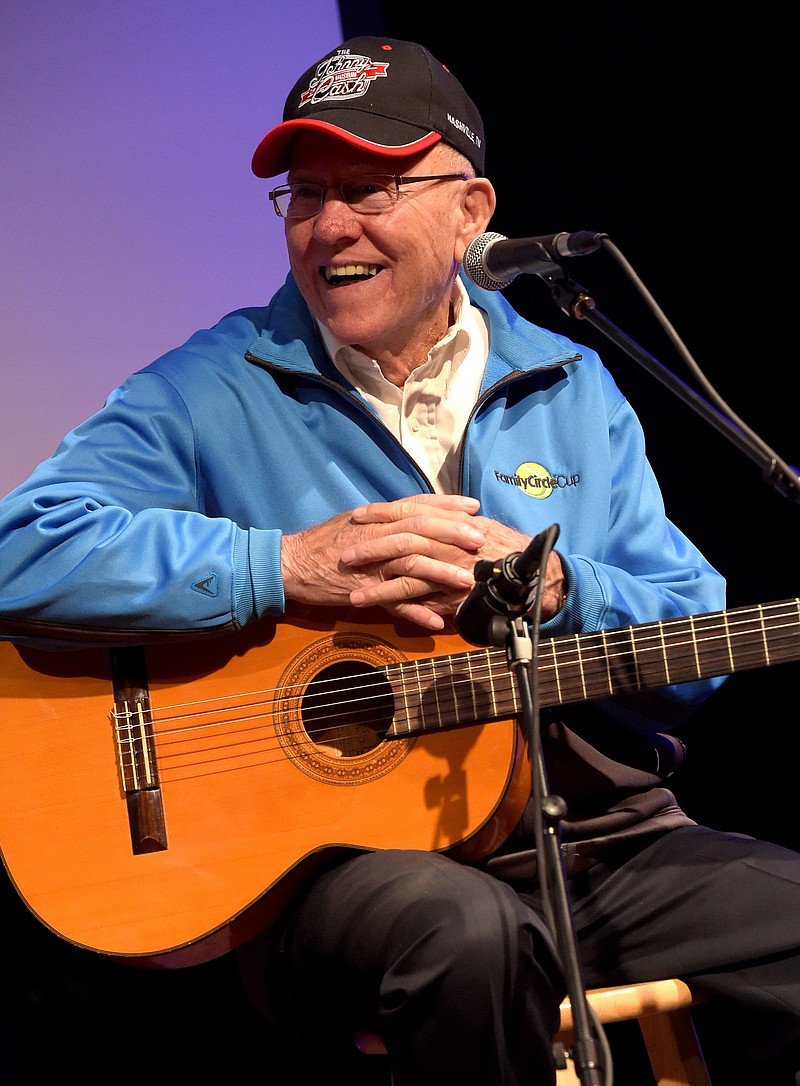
<point x="347" y="709"/>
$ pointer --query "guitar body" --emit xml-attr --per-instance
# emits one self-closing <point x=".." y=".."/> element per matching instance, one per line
<point x="176" y="845"/>
<point x="165" y="803"/>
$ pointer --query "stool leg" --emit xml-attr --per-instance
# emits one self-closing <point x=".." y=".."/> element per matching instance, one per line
<point x="673" y="1049"/>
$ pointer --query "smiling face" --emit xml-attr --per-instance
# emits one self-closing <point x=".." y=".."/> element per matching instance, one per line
<point x="397" y="305"/>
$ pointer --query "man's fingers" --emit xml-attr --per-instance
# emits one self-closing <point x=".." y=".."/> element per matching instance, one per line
<point x="407" y="580"/>
<point x="419" y="614"/>
<point x="403" y="508"/>
<point x="419" y="536"/>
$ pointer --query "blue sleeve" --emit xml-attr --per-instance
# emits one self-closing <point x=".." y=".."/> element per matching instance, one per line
<point x="111" y="532"/>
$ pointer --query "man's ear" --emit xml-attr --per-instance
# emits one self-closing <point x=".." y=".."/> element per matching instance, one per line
<point x="478" y="207"/>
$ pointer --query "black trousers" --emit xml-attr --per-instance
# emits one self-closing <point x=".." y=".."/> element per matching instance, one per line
<point x="458" y="973"/>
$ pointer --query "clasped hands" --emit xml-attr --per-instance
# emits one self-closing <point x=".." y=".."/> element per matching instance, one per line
<point x="414" y="557"/>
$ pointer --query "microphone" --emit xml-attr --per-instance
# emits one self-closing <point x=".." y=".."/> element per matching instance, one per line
<point x="502" y="587"/>
<point x="492" y="261"/>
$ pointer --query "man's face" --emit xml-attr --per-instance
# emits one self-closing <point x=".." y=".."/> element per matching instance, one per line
<point x="414" y="247"/>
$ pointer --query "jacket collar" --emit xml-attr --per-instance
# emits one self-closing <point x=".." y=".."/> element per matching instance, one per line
<point x="515" y="345"/>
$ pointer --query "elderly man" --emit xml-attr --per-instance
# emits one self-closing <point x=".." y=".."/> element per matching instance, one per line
<point x="362" y="442"/>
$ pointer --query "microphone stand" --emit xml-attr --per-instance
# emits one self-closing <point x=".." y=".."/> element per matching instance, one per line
<point x="521" y="658"/>
<point x="513" y="588"/>
<point x="493" y="595"/>
<point x="574" y="300"/>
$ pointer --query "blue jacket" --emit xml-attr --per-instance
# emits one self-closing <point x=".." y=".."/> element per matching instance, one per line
<point x="165" y="510"/>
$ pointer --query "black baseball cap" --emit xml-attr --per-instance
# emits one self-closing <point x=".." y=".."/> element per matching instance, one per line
<point x="381" y="94"/>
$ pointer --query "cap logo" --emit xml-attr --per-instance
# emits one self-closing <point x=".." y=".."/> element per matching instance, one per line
<point x="465" y="129"/>
<point x="345" y="75"/>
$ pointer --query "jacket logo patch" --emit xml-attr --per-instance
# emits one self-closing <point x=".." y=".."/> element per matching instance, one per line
<point x="536" y="481"/>
<point x="207" y="586"/>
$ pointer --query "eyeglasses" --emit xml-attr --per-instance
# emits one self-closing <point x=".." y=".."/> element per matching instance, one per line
<point x="369" y="194"/>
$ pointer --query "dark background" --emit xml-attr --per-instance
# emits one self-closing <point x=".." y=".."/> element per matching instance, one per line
<point x="666" y="128"/>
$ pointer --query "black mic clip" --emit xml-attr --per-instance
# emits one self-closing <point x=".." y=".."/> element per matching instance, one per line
<point x="504" y="589"/>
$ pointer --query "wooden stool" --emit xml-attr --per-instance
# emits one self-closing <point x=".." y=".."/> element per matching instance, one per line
<point x="662" y="1008"/>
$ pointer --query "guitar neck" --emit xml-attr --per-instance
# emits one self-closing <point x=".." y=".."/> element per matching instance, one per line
<point x="463" y="688"/>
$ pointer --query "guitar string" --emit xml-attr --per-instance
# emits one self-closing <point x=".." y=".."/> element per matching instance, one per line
<point x="459" y="671"/>
<point x="658" y="644"/>
<point x="435" y="664"/>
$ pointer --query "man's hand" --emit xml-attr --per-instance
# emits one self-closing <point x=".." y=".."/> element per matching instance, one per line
<point x="414" y="557"/>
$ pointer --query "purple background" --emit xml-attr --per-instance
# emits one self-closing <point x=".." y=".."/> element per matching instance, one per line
<point x="129" y="213"/>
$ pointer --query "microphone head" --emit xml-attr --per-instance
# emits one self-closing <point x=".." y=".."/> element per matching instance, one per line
<point x="475" y="262"/>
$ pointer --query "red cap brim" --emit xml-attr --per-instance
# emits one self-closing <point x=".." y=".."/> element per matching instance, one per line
<point x="272" y="156"/>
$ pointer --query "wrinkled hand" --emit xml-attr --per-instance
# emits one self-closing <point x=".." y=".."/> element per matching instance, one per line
<point x="414" y="557"/>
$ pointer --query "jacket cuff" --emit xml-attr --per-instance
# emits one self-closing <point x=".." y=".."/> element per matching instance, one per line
<point x="258" y="585"/>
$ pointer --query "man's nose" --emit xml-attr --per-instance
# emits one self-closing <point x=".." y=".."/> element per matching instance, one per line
<point x="336" y="218"/>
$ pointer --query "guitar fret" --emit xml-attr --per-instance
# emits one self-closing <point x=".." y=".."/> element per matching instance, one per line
<point x="664" y="654"/>
<point x="657" y="660"/>
<point x="580" y="666"/>
<point x="634" y="659"/>
<point x="728" y="640"/>
<point x="471" y="675"/>
<point x="607" y="660"/>
<point x="559" y="694"/>
<point x="696" y="648"/>
<point x="418" y="684"/>
<point x="402" y="710"/>
<point x="435" y="686"/>
<point x="492" y="691"/>
<point x="627" y="661"/>
<point x="454" y="717"/>
<point x="764" y="638"/>
<point x="756" y="643"/>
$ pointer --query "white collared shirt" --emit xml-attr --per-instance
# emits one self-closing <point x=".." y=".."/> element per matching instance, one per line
<point x="429" y="413"/>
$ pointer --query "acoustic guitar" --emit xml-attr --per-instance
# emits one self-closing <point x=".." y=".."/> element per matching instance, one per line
<point x="163" y="803"/>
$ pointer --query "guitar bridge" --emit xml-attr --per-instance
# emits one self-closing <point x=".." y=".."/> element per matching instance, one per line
<point x="132" y="720"/>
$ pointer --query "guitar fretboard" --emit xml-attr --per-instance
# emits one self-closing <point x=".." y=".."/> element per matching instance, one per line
<point x="477" y="686"/>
